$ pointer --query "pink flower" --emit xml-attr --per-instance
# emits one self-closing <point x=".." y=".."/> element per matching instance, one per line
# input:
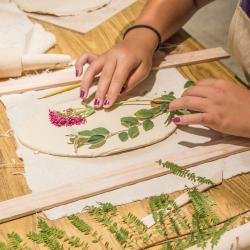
<point x="66" y="118"/>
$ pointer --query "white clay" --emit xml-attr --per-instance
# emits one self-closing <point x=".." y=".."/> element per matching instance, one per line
<point x="40" y="135"/>
<point x="61" y="7"/>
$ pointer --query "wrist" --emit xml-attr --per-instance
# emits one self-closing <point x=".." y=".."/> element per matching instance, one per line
<point x="143" y="38"/>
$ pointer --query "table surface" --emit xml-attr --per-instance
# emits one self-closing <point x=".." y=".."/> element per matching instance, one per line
<point x="232" y="197"/>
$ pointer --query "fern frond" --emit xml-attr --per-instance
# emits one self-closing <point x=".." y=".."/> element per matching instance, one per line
<point x="185" y="173"/>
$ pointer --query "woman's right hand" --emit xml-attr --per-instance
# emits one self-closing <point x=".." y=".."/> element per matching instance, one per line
<point x="121" y="68"/>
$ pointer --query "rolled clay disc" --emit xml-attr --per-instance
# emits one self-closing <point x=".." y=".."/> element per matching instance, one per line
<point x="61" y="7"/>
<point x="40" y="135"/>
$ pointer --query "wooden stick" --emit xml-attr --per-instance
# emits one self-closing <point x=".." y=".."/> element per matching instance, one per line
<point x="128" y="175"/>
<point x="67" y="76"/>
<point x="188" y="58"/>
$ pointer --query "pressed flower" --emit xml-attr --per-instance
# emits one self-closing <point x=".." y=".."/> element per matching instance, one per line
<point x="70" y="117"/>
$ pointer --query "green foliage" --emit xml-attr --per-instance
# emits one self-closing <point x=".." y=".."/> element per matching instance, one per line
<point x="133" y="132"/>
<point x="178" y="230"/>
<point x="48" y="236"/>
<point x="142" y="118"/>
<point x="80" y="224"/>
<point x="189" y="84"/>
<point x="185" y="173"/>
<point x="123" y="136"/>
<point x="129" y="121"/>
<point x="14" y="242"/>
<point x="147" y="125"/>
<point x="144" y="114"/>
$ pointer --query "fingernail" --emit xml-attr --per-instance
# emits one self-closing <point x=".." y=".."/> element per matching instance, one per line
<point x="97" y="102"/>
<point x="176" y="119"/>
<point x="77" y="72"/>
<point x="123" y="89"/>
<point x="82" y="93"/>
<point x="106" y="102"/>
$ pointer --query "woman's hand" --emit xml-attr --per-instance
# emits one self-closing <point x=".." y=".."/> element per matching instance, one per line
<point x="121" y="68"/>
<point x="219" y="104"/>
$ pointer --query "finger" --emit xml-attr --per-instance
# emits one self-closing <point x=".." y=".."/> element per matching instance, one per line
<point x="104" y="82"/>
<point x="207" y="82"/>
<point x="137" y="77"/>
<point x="85" y="58"/>
<point x="192" y="119"/>
<point x="119" y="78"/>
<point x="89" y="76"/>
<point x="191" y="103"/>
<point x="198" y="91"/>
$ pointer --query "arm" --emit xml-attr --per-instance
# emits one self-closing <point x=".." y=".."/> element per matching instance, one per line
<point x="129" y="62"/>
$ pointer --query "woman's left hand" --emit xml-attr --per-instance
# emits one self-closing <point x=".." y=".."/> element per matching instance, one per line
<point x="219" y="104"/>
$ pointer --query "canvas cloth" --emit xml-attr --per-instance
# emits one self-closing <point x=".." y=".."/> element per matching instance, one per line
<point x="45" y="171"/>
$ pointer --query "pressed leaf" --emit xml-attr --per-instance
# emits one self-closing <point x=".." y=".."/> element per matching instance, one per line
<point x="123" y="136"/>
<point x="188" y="84"/>
<point x="100" y="131"/>
<point x="129" y="121"/>
<point x="144" y="114"/>
<point x="86" y="133"/>
<point x="156" y="110"/>
<point x="147" y="125"/>
<point x="133" y="132"/>
<point x="89" y="111"/>
<point x="164" y="106"/>
<point x="96" y="139"/>
<point x="168" y="98"/>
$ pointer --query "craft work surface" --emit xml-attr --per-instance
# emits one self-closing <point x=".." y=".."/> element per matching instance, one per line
<point x="84" y="21"/>
<point x="232" y="195"/>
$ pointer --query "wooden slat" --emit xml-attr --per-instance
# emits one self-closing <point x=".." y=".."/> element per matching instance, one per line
<point x="128" y="175"/>
<point x="189" y="58"/>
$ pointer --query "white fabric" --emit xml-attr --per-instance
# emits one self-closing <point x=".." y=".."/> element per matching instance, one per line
<point x="19" y="33"/>
<point x="45" y="171"/>
<point x="88" y="20"/>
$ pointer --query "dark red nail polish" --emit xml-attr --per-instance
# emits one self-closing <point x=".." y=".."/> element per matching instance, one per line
<point x="77" y="72"/>
<point x="106" y="102"/>
<point x="176" y="119"/>
<point x="82" y="93"/>
<point x="97" y="102"/>
<point x="123" y="89"/>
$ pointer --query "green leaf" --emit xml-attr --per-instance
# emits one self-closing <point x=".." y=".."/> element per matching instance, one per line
<point x="168" y="98"/>
<point x="89" y="111"/>
<point x="133" y="132"/>
<point x="129" y="121"/>
<point x="100" y="131"/>
<point x="123" y="136"/>
<point x="189" y="84"/>
<point x="164" y="106"/>
<point x="156" y="110"/>
<point x="182" y="112"/>
<point x="96" y="139"/>
<point x="144" y="114"/>
<point x="86" y="133"/>
<point x="147" y="125"/>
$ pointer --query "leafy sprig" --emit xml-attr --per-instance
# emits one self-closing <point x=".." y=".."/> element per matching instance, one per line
<point x="185" y="173"/>
<point x="176" y="229"/>
<point x="142" y="118"/>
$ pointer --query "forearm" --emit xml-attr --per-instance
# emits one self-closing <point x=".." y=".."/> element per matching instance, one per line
<point x="167" y="16"/>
